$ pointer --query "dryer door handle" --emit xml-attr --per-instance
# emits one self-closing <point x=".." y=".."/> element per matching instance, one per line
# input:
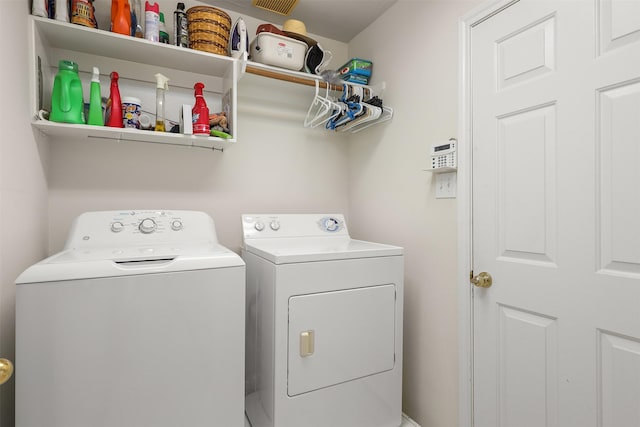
<point x="307" y="339"/>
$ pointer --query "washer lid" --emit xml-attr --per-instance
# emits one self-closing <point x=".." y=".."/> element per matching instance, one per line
<point x="301" y="249"/>
<point x="77" y="264"/>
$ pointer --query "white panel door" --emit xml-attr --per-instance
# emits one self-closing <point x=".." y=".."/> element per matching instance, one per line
<point x="556" y="214"/>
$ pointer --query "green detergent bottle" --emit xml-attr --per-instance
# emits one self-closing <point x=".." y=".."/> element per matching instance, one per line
<point x="67" y="104"/>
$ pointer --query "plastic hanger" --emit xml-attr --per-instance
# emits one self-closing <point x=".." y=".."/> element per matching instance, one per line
<point x="321" y="110"/>
<point x="386" y="114"/>
<point x="371" y="113"/>
<point x="352" y="110"/>
<point x="352" y="96"/>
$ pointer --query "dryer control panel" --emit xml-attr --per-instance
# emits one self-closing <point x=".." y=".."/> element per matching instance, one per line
<point x="144" y="227"/>
<point x="293" y="225"/>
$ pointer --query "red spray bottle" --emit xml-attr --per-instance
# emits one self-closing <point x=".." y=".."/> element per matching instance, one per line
<point x="200" y="112"/>
<point x="113" y="113"/>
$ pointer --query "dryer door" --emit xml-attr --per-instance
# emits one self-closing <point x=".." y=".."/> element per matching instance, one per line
<point x="340" y="336"/>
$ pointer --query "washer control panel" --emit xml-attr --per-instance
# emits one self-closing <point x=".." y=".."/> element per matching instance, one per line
<point x="141" y="227"/>
<point x="293" y="225"/>
<point x="146" y="222"/>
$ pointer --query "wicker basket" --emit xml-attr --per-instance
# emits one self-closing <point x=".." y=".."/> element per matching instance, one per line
<point x="209" y="29"/>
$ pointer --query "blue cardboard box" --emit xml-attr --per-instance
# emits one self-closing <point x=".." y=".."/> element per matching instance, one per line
<point x="356" y="70"/>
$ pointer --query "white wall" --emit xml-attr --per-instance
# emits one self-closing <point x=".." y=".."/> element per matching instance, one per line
<point x="414" y="49"/>
<point x="23" y="200"/>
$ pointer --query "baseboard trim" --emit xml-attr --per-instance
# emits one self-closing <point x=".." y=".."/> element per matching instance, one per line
<point x="408" y="422"/>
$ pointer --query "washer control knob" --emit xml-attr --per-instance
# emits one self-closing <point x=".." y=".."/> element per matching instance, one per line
<point x="275" y="225"/>
<point x="176" y="225"/>
<point x="147" y="226"/>
<point x="259" y="226"/>
<point x="117" y="226"/>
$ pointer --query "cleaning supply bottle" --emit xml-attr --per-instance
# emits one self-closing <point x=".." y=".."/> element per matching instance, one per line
<point x="180" y="28"/>
<point x="62" y="10"/>
<point x="161" y="88"/>
<point x="200" y="112"/>
<point x="67" y="104"/>
<point x="83" y="13"/>
<point x="138" y="30"/>
<point x="40" y="8"/>
<point x="113" y="113"/>
<point x="95" y="100"/>
<point x="164" y="36"/>
<point x="151" y="21"/>
<point x="120" y="17"/>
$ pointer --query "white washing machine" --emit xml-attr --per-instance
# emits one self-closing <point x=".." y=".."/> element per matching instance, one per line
<point x="324" y="324"/>
<point x="138" y="322"/>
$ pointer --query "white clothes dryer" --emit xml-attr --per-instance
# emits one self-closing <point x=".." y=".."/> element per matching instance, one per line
<point x="324" y="324"/>
<point x="138" y="322"/>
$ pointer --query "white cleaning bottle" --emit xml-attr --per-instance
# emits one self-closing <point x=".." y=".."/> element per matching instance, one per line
<point x="62" y="10"/>
<point x="152" y="21"/>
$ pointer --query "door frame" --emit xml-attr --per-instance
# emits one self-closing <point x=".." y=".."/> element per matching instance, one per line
<point x="465" y="194"/>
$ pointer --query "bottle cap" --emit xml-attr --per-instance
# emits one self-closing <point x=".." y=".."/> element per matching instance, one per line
<point x="96" y="75"/>
<point x="152" y="7"/>
<point x="68" y="65"/>
<point x="181" y="6"/>
<point x="162" y="81"/>
<point x="162" y="17"/>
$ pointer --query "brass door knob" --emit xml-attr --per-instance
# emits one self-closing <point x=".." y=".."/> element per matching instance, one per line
<point x="482" y="280"/>
<point x="6" y="370"/>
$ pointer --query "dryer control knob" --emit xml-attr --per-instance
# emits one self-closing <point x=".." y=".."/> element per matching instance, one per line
<point x="176" y="225"/>
<point x="259" y="226"/>
<point x="275" y="225"/>
<point x="117" y="227"/>
<point x="147" y="226"/>
<point x="331" y="224"/>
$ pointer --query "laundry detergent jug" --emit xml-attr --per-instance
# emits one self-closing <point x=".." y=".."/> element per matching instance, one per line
<point x="67" y="103"/>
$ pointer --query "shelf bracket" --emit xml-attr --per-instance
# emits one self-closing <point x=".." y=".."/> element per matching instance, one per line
<point x="243" y="63"/>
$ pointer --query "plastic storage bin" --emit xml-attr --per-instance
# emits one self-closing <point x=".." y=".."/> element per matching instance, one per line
<point x="279" y="51"/>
